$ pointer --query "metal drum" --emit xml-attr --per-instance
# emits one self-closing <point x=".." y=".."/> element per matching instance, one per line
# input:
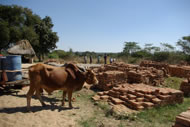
<point x="12" y="65"/>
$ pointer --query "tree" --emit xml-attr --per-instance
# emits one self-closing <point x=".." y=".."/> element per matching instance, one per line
<point x="18" y="23"/>
<point x="167" y="47"/>
<point x="151" y="49"/>
<point x="131" y="47"/>
<point x="185" y="44"/>
<point x="4" y="34"/>
<point x="47" y="38"/>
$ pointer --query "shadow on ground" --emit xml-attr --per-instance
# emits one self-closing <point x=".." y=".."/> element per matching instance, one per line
<point x="34" y="109"/>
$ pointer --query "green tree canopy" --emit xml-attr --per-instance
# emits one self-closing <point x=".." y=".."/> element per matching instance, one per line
<point x="18" y="23"/>
<point x="130" y="47"/>
<point x="184" y="43"/>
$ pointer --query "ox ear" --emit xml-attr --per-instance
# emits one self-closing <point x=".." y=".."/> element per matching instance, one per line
<point x="71" y="72"/>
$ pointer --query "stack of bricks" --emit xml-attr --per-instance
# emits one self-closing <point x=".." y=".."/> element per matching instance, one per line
<point x="117" y="73"/>
<point x="109" y="79"/>
<point x="140" y="96"/>
<point x="185" y="87"/>
<point x="183" y="119"/>
<point x="157" y="65"/>
<point x="149" y="76"/>
<point x="179" y="71"/>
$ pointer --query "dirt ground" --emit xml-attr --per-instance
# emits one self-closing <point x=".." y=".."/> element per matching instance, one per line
<point x="13" y="111"/>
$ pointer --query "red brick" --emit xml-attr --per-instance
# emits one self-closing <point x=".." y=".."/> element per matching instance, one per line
<point x="183" y="121"/>
<point x="117" y="101"/>
<point x="96" y="98"/>
<point x="140" y="99"/>
<point x="139" y="94"/>
<point x="124" y="98"/>
<point x="178" y="125"/>
<point x="130" y="96"/>
<point x="147" y="104"/>
<point x="100" y="93"/>
<point x="164" y="97"/>
<point x="148" y="96"/>
<point x="104" y="97"/>
<point x="156" y="100"/>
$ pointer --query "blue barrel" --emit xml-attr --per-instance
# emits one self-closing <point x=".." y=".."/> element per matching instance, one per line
<point x="12" y="65"/>
<point x="2" y="59"/>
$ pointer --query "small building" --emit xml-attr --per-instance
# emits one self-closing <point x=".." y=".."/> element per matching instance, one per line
<point x="24" y="49"/>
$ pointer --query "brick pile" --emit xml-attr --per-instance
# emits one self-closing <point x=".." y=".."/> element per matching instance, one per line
<point x="117" y="73"/>
<point x="140" y="96"/>
<point x="185" y="87"/>
<point x="157" y="65"/>
<point x="183" y="119"/>
<point x="149" y="76"/>
<point x="109" y="79"/>
<point x="179" y="71"/>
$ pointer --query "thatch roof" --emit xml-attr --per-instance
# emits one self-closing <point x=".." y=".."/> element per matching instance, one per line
<point x="22" y="47"/>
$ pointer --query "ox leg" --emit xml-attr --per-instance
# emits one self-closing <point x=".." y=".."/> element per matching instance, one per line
<point x="70" y="99"/>
<point x="40" y="98"/>
<point x="64" y="96"/>
<point x="29" y="96"/>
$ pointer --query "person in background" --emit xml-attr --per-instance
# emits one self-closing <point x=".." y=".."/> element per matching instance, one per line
<point x="98" y="60"/>
<point x="90" y="59"/>
<point x="85" y="59"/>
<point x="105" y="58"/>
<point x="111" y="60"/>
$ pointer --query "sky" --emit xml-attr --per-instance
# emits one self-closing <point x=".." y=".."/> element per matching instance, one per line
<point x="104" y="25"/>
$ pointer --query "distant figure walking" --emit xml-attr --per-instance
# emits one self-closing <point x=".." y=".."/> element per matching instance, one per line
<point x="98" y="59"/>
<point x="85" y="59"/>
<point x="105" y="58"/>
<point x="111" y="60"/>
<point x="90" y="59"/>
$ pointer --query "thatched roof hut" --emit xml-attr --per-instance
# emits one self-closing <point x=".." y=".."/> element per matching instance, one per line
<point x="22" y="47"/>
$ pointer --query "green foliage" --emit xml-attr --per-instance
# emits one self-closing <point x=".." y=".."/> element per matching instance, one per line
<point x="162" y="116"/>
<point x="47" y="38"/>
<point x="173" y="82"/>
<point x="90" y="122"/>
<point x="160" y="56"/>
<point x="131" y="47"/>
<point x="53" y="56"/>
<point x="167" y="47"/>
<point x="185" y="44"/>
<point x="4" y="34"/>
<point x="18" y="23"/>
<point x="151" y="49"/>
<point x="142" y="54"/>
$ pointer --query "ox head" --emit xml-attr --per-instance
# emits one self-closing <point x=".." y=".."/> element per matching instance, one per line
<point x="90" y="77"/>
